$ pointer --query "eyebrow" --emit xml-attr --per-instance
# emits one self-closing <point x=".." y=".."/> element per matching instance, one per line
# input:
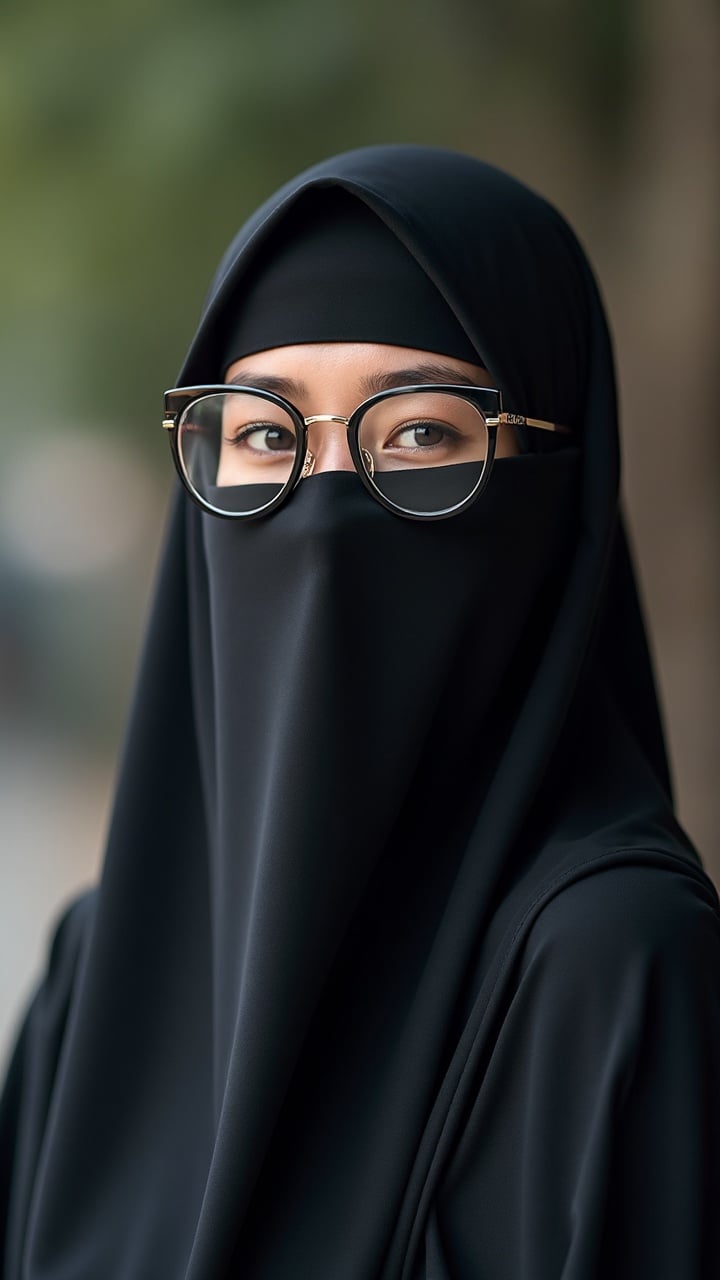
<point x="423" y="374"/>
<point x="288" y="387"/>
<point x="427" y="372"/>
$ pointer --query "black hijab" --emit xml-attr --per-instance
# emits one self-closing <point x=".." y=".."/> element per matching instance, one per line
<point x="400" y="965"/>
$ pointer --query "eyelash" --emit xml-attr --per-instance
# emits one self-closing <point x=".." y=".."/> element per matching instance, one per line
<point x="447" y="430"/>
<point x="252" y="429"/>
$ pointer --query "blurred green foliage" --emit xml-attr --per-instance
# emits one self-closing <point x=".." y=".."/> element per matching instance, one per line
<point x="135" y="138"/>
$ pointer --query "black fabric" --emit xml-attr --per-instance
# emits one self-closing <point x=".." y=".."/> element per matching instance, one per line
<point x="332" y="273"/>
<point x="400" y="967"/>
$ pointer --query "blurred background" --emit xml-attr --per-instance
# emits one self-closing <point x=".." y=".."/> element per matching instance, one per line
<point x="134" y="139"/>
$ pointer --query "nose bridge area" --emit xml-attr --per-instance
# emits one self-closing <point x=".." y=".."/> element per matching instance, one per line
<point x="329" y="448"/>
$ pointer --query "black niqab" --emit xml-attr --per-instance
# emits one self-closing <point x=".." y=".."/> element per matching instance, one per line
<point x="400" y="965"/>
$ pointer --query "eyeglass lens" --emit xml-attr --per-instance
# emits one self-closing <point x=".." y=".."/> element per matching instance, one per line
<point x="424" y="451"/>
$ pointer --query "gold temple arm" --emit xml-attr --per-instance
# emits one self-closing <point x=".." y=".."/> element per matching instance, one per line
<point x="519" y="420"/>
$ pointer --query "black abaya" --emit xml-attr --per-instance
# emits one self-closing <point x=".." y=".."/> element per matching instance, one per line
<point x="400" y="966"/>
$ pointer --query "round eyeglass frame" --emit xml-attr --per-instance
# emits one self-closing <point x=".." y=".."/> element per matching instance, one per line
<point x="178" y="400"/>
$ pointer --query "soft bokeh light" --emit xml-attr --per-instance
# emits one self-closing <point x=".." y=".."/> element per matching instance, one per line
<point x="73" y="503"/>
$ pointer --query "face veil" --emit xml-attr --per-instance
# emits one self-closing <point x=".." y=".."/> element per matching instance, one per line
<point x="364" y="753"/>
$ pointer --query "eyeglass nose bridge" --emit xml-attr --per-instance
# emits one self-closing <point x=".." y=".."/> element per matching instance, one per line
<point x="326" y="417"/>
<point x="309" y="462"/>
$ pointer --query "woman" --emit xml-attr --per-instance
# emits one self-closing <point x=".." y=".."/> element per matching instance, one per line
<point x="400" y="965"/>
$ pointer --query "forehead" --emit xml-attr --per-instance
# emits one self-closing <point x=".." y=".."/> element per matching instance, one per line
<point x="362" y="364"/>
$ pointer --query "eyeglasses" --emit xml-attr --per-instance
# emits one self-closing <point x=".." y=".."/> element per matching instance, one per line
<point x="424" y="452"/>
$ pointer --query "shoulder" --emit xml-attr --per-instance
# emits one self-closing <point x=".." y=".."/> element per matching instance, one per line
<point x="31" y="1074"/>
<point x="67" y="937"/>
<point x="71" y="926"/>
<point x="631" y="916"/>
<point x="42" y="1029"/>
<point x="68" y="934"/>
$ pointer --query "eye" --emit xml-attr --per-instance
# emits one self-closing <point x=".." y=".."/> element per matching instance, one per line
<point x="263" y="437"/>
<point x="421" y="435"/>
